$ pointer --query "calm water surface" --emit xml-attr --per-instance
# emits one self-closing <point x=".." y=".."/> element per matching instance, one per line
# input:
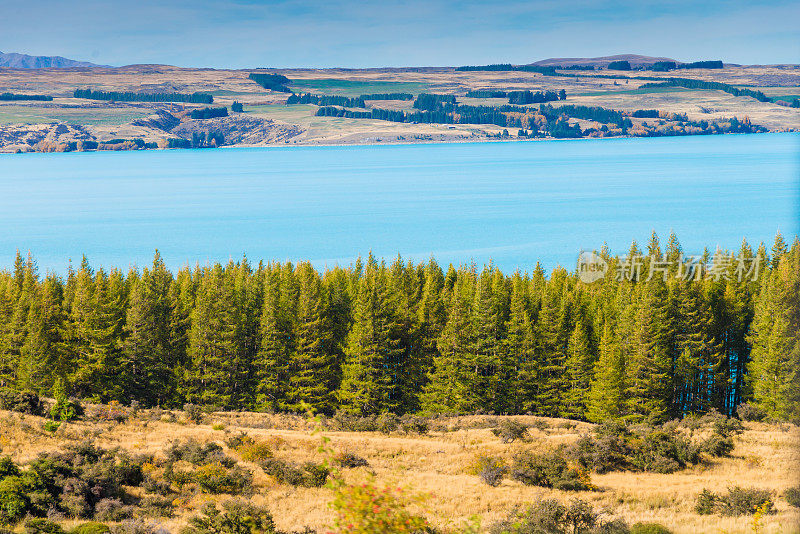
<point x="511" y="203"/>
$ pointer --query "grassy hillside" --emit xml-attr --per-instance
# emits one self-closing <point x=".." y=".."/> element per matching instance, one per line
<point x="438" y="462"/>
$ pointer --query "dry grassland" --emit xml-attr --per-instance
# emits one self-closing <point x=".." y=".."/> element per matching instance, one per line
<point x="438" y="464"/>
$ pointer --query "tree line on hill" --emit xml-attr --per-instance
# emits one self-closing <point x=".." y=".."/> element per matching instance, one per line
<point x="690" y="83"/>
<point x="549" y="120"/>
<point x="326" y="100"/>
<point x="403" y="337"/>
<point x="194" y="98"/>
<point x="16" y="96"/>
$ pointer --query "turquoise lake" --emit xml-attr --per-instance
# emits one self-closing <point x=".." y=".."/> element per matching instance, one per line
<point x="511" y="203"/>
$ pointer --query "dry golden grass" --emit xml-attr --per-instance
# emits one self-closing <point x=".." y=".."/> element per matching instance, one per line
<point x="438" y="464"/>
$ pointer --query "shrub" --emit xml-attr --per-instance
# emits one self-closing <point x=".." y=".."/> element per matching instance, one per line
<point x="491" y="470"/>
<point x="745" y="501"/>
<point x="549" y="516"/>
<point x="112" y="510"/>
<point x="649" y="528"/>
<point x="367" y="509"/>
<point x="549" y="470"/>
<point x="706" y="503"/>
<point x="51" y="426"/>
<point x="8" y="468"/>
<point x="310" y="475"/>
<point x="414" y="425"/>
<point x="792" y="496"/>
<point x="717" y="445"/>
<point x="254" y="451"/>
<point x="217" y="478"/>
<point x="157" y="506"/>
<point x="66" y="409"/>
<point x="13" y="499"/>
<point x="350" y="460"/>
<point x="20" y="401"/>
<point x="90" y="527"/>
<point x="750" y="412"/>
<point x="236" y="517"/>
<point x="137" y="526"/>
<point x="193" y="413"/>
<point x="197" y="453"/>
<point x="509" y="430"/>
<point x="388" y="423"/>
<point x="42" y="526"/>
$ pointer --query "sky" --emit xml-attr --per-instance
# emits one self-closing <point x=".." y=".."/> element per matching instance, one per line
<point x="357" y="34"/>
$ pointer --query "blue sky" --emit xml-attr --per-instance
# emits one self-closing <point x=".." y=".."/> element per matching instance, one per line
<point x="352" y="33"/>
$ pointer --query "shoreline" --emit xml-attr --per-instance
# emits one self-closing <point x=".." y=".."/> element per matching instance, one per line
<point x="398" y="143"/>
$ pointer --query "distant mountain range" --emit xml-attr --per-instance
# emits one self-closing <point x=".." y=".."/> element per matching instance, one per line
<point x="634" y="59"/>
<point x="24" y="61"/>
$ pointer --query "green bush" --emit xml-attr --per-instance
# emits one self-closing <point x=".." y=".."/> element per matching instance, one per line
<point x="156" y="506"/>
<point x="750" y="412"/>
<point x="20" y="401"/>
<point x="51" y="426"/>
<point x="738" y="501"/>
<point x="66" y="409"/>
<point x="549" y="516"/>
<point x="13" y="499"/>
<point x="90" y="527"/>
<point x="310" y="475"/>
<point x="706" y="503"/>
<point x="509" y="430"/>
<point x="745" y="501"/>
<point x="649" y="528"/>
<point x="218" y="478"/>
<point x="42" y="526"/>
<point x="549" y="470"/>
<point x="792" y="496"/>
<point x="197" y="453"/>
<point x="236" y="517"/>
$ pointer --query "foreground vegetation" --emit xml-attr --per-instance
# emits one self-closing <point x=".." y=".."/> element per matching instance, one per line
<point x="140" y="471"/>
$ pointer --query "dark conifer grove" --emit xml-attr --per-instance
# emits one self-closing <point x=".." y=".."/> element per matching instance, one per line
<point x="404" y="338"/>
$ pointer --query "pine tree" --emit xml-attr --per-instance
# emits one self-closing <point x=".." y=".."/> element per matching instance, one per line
<point x="580" y="370"/>
<point x="519" y="348"/>
<point x="606" y="398"/>
<point x="373" y="347"/>
<point x="149" y="357"/>
<point x="448" y="386"/>
<point x="312" y="368"/>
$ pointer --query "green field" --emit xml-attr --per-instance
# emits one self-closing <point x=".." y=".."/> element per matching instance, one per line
<point x="87" y="116"/>
<point x="335" y="86"/>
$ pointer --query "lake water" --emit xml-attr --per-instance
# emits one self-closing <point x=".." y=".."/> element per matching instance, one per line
<point x="512" y="203"/>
